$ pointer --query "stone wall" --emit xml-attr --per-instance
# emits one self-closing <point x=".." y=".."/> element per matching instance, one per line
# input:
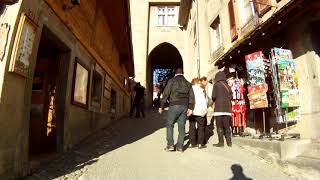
<point x="15" y="91"/>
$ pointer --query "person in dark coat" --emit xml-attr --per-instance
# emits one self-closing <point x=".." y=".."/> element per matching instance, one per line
<point x="221" y="95"/>
<point x="179" y="93"/>
<point x="138" y="101"/>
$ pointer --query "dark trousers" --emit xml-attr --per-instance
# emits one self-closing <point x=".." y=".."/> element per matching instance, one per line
<point x="197" y="135"/>
<point x="138" y="106"/>
<point x="176" y="113"/>
<point x="223" y="128"/>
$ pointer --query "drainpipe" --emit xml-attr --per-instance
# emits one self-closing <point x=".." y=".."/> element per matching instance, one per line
<point x="198" y="43"/>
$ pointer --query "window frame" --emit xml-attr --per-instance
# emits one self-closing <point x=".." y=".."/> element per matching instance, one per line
<point x="96" y="73"/>
<point x="166" y="15"/>
<point x="214" y="28"/>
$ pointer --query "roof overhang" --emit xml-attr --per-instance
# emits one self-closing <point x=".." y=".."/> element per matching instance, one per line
<point x="184" y="11"/>
<point x="119" y="20"/>
<point x="8" y="2"/>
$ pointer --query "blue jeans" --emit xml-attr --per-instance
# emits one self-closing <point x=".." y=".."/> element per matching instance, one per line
<point x="176" y="113"/>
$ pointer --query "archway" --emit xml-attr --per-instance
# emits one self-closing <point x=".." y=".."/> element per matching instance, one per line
<point x="163" y="56"/>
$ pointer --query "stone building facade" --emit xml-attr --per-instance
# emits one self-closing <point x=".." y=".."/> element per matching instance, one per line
<point x="231" y="29"/>
<point x="64" y="74"/>
<point x="160" y="42"/>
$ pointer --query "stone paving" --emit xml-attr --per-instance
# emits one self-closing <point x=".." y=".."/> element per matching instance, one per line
<point x="132" y="149"/>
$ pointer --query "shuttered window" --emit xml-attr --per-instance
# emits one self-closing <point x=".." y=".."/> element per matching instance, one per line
<point x="233" y="27"/>
<point x="262" y="6"/>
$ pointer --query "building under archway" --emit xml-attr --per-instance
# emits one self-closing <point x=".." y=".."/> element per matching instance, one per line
<point x="163" y="56"/>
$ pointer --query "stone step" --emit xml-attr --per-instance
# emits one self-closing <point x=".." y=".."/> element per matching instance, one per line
<point x="301" y="161"/>
<point x="311" y="150"/>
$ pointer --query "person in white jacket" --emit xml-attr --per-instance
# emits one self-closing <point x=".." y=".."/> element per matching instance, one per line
<point x="198" y="117"/>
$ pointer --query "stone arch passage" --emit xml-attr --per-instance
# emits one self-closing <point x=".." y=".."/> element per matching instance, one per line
<point x="163" y="56"/>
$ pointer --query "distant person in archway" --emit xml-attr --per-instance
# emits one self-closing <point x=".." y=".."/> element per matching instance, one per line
<point x="138" y="101"/>
<point x="221" y="95"/>
<point x="179" y="93"/>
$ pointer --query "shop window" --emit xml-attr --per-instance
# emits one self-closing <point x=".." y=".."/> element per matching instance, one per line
<point x="113" y="101"/>
<point x="96" y="89"/>
<point x="167" y="16"/>
<point x="216" y="36"/>
<point x="233" y="26"/>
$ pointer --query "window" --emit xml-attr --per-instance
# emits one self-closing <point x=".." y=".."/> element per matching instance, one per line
<point x="233" y="27"/>
<point x="246" y="11"/>
<point x="113" y="101"/>
<point x="263" y="6"/>
<point x="167" y="16"/>
<point x="216" y="37"/>
<point x="96" y="89"/>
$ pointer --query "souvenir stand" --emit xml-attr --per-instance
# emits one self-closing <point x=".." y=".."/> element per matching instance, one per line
<point x="239" y="108"/>
<point x="257" y="85"/>
<point x="286" y="92"/>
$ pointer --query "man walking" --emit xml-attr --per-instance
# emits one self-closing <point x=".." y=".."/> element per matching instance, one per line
<point x="180" y="95"/>
<point x="138" y="100"/>
<point x="221" y="95"/>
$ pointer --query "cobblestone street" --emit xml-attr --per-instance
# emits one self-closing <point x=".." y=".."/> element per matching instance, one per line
<point x="133" y="149"/>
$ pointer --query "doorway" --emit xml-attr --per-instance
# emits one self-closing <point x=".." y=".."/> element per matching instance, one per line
<point x="48" y="97"/>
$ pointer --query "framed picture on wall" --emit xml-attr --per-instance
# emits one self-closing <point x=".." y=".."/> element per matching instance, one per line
<point x="23" y="46"/>
<point x="81" y="77"/>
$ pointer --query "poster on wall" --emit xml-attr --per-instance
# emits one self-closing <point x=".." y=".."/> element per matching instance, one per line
<point x="23" y="46"/>
<point x="80" y="85"/>
<point x="257" y="89"/>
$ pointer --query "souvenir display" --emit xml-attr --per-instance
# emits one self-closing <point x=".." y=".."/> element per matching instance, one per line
<point x="239" y="108"/>
<point x="286" y="85"/>
<point x="257" y="90"/>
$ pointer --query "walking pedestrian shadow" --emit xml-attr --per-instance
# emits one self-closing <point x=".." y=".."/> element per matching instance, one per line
<point x="238" y="173"/>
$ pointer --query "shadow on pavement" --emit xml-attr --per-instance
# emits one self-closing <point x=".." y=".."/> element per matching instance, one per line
<point x="238" y="174"/>
<point x="73" y="163"/>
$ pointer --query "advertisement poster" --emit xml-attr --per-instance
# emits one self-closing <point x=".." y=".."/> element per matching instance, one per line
<point x="257" y="89"/>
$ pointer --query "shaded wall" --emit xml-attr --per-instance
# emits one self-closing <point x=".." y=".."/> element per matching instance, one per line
<point x="15" y="97"/>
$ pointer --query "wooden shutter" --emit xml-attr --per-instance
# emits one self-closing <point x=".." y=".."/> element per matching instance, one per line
<point x="233" y="26"/>
<point x="262" y="6"/>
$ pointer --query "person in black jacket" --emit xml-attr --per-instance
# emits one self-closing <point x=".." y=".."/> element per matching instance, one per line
<point x="138" y="101"/>
<point x="221" y="95"/>
<point x="179" y="93"/>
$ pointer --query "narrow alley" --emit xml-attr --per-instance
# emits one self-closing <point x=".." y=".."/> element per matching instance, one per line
<point x="134" y="149"/>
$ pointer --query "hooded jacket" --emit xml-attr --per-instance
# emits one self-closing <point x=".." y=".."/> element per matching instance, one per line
<point x="221" y="95"/>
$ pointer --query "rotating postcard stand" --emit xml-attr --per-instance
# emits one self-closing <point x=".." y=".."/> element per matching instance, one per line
<point x="286" y="92"/>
